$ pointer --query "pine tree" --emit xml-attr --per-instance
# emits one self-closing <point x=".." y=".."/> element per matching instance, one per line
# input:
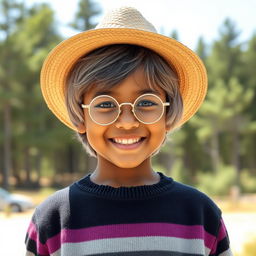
<point x="226" y="56"/>
<point x="11" y="13"/>
<point x="249" y="78"/>
<point x="87" y="10"/>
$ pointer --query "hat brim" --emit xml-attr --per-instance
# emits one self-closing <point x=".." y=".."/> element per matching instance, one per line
<point x="188" y="66"/>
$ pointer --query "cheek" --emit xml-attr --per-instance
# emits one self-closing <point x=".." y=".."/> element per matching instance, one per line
<point x="158" y="134"/>
<point x="95" y="135"/>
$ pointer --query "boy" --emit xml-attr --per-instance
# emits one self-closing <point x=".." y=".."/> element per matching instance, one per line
<point x="123" y="87"/>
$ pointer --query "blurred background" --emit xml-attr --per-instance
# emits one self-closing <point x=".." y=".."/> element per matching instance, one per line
<point x="215" y="151"/>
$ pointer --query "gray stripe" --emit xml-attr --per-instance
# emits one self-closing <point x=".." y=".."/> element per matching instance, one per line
<point x="59" y="202"/>
<point x="58" y="253"/>
<point x="134" y="244"/>
<point x="148" y="253"/>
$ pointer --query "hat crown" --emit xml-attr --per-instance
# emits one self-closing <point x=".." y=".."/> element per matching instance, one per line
<point x="126" y="17"/>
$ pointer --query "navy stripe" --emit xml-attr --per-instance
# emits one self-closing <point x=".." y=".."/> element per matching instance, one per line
<point x="30" y="244"/>
<point x="190" y="209"/>
<point x="223" y="245"/>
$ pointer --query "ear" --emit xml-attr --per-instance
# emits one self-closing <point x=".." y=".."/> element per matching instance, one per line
<point x="168" y="127"/>
<point x="81" y="128"/>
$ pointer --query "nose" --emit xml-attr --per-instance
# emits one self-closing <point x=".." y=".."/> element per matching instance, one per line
<point x="126" y="119"/>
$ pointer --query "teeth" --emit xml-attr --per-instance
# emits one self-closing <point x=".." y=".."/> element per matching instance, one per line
<point x="126" y="141"/>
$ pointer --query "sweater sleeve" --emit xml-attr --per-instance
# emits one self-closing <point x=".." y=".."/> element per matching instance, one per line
<point x="33" y="245"/>
<point x="222" y="245"/>
<point x="43" y="234"/>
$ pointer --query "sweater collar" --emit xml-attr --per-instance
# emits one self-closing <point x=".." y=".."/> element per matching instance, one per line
<point x="132" y="193"/>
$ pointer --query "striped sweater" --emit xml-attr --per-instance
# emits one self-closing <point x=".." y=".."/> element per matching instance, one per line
<point x="164" y="219"/>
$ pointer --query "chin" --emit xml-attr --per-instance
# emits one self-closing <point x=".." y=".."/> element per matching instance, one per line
<point x="127" y="164"/>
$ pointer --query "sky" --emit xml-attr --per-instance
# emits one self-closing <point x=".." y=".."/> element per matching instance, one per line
<point x="190" y="18"/>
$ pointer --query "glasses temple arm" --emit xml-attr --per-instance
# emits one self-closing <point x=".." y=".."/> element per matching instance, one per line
<point x="84" y="106"/>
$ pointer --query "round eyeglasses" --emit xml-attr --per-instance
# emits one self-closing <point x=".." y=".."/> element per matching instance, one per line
<point x="147" y="108"/>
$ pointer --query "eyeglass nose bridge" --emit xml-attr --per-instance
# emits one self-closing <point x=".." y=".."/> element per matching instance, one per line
<point x="126" y="103"/>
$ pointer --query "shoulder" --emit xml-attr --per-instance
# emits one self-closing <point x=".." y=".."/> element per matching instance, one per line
<point x="193" y="207"/>
<point x="195" y="196"/>
<point x="54" y="208"/>
<point x="50" y="216"/>
<point x="57" y="200"/>
<point x="196" y="203"/>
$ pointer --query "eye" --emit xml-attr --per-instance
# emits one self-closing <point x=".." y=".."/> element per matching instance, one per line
<point x="146" y="103"/>
<point x="106" y="104"/>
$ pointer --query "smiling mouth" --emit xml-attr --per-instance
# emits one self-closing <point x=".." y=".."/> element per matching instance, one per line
<point x="127" y="143"/>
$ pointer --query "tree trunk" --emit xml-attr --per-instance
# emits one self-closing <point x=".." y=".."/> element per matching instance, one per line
<point x="27" y="165"/>
<point x="214" y="151"/>
<point x="236" y="155"/>
<point x="15" y="171"/>
<point x="1" y="163"/>
<point x="7" y="145"/>
<point x="38" y="162"/>
<point x="71" y="161"/>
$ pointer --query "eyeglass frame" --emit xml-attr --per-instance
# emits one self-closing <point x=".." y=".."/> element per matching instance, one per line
<point x="164" y="104"/>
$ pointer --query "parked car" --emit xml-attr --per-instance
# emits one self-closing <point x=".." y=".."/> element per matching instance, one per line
<point x="14" y="202"/>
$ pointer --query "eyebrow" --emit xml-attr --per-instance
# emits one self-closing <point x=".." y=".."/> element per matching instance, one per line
<point x="144" y="91"/>
<point x="98" y="93"/>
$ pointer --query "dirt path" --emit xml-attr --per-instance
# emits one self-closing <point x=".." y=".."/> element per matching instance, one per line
<point x="241" y="227"/>
<point x="12" y="233"/>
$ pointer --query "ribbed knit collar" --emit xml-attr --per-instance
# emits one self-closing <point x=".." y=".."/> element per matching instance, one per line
<point x="136" y="192"/>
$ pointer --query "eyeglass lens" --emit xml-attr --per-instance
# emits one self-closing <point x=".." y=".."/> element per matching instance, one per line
<point x="105" y="110"/>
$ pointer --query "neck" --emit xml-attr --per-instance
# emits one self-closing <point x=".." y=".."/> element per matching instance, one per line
<point x="114" y="176"/>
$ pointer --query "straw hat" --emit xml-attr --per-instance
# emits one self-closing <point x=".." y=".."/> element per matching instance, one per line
<point x="124" y="25"/>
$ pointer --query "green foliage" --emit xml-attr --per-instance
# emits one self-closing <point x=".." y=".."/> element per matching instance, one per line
<point x="249" y="59"/>
<point x="222" y="107"/>
<point x="225" y="58"/>
<point x="202" y="50"/>
<point x="174" y="34"/>
<point x="83" y="19"/>
<point x="218" y="183"/>
<point x="41" y="145"/>
<point x="248" y="182"/>
<point x="181" y="174"/>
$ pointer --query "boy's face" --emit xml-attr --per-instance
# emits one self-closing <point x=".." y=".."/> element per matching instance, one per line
<point x="110" y="141"/>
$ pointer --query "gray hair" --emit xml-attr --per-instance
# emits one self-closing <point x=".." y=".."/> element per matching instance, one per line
<point x="107" y="67"/>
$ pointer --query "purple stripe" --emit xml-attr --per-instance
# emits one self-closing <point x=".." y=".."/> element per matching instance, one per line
<point x="130" y="230"/>
<point x="222" y="231"/>
<point x="133" y="230"/>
